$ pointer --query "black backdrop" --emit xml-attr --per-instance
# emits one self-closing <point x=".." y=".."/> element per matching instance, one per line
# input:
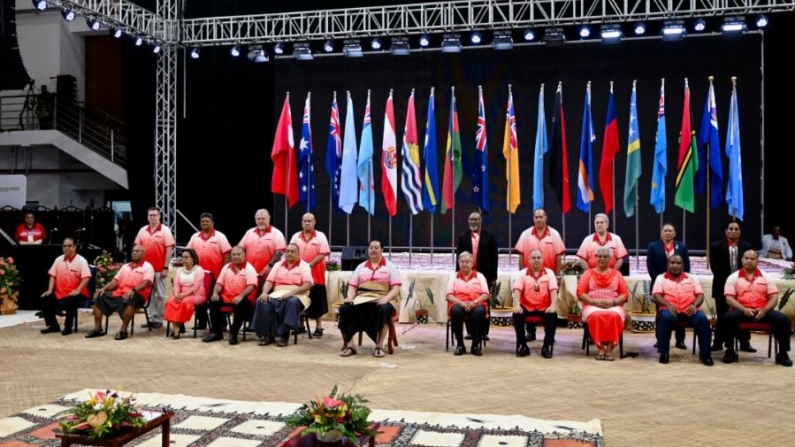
<point x="233" y="105"/>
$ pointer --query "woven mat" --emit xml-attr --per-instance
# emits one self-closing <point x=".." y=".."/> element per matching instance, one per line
<point x="201" y="421"/>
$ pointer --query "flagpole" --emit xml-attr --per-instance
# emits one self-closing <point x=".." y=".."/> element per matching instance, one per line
<point x="390" y="238"/>
<point x="709" y="195"/>
<point x="309" y="165"/>
<point x="331" y="190"/>
<point x="734" y="92"/>
<point x="431" y="238"/>
<point x="411" y="236"/>
<point x="614" y="175"/>
<point x="348" y="239"/>
<point x="637" y="232"/>
<point x="510" y="180"/>
<point x="684" y="212"/>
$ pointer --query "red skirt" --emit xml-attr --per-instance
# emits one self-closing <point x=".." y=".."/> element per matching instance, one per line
<point x="178" y="312"/>
<point x="605" y="327"/>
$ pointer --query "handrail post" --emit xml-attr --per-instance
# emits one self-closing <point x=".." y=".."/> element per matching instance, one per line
<point x="111" y="146"/>
<point x="54" y="113"/>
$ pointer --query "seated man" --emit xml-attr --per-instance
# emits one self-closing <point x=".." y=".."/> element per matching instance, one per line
<point x="30" y="232"/>
<point x="367" y="307"/>
<point x="775" y="246"/>
<point x="678" y="296"/>
<point x="284" y="296"/>
<point x="131" y="288"/>
<point x="535" y="293"/>
<point x="467" y="295"/>
<point x="235" y="288"/>
<point x="752" y="296"/>
<point x="69" y="276"/>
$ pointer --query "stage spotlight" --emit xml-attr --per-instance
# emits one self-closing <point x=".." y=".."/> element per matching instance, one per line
<point x="328" y="46"/>
<point x="68" y="14"/>
<point x="673" y="30"/>
<point x="400" y="46"/>
<point x="699" y="25"/>
<point x="554" y="36"/>
<point x="425" y="40"/>
<point x="256" y="53"/>
<point x="502" y="40"/>
<point x="475" y="38"/>
<point x="352" y="48"/>
<point x="761" y="21"/>
<point x="40" y="5"/>
<point x="375" y="43"/>
<point x="529" y="34"/>
<point x="93" y="23"/>
<point x="138" y="40"/>
<point x="451" y="43"/>
<point x="585" y="32"/>
<point x="302" y="51"/>
<point x="733" y="25"/>
<point x="235" y="51"/>
<point x="195" y="53"/>
<point x="156" y="47"/>
<point x="278" y="48"/>
<point x="640" y="29"/>
<point x="115" y="32"/>
<point x="611" y="33"/>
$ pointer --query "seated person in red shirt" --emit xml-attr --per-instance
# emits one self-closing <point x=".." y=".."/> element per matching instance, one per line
<point x="678" y="296"/>
<point x="128" y="291"/>
<point x="69" y="276"/>
<point x="235" y="288"/>
<point x="467" y="295"/>
<point x="30" y="232"/>
<point x="752" y="296"/>
<point x="535" y="293"/>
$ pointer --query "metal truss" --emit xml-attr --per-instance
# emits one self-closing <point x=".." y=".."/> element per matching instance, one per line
<point x="166" y="123"/>
<point x="121" y="13"/>
<point x="454" y="16"/>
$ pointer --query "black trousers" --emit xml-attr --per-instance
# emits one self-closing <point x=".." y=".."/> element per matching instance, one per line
<point x="550" y="325"/>
<point x="241" y="312"/>
<point x="721" y="335"/>
<point x="779" y="321"/>
<point x="474" y="320"/>
<point x="50" y="303"/>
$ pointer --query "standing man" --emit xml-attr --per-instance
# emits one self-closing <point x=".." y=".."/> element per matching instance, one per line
<point x="30" y="232"/>
<point x="753" y="296"/>
<point x="158" y="241"/>
<point x="236" y="287"/>
<point x="213" y="250"/>
<point x="657" y="255"/>
<point x="726" y="258"/>
<point x="69" y="276"/>
<point x="482" y="244"/>
<point x="264" y="244"/>
<point x="775" y="246"/>
<point x="313" y="247"/>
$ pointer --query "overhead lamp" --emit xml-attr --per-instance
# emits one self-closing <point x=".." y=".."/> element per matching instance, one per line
<point x="400" y="46"/>
<point x="451" y="43"/>
<point x="352" y="48"/>
<point x="156" y="47"/>
<point x="328" y="46"/>
<point x="375" y="43"/>
<point x="673" y="30"/>
<point x="195" y="53"/>
<point x="302" y="51"/>
<point x="585" y="32"/>
<point x="554" y="36"/>
<point x="235" y="51"/>
<point x="502" y="40"/>
<point x="278" y="48"/>
<point x="611" y="33"/>
<point x="93" y="24"/>
<point x="138" y="40"/>
<point x="425" y="40"/>
<point x="115" y="32"/>
<point x="733" y="25"/>
<point x="761" y="21"/>
<point x="529" y="34"/>
<point x="699" y="25"/>
<point x="256" y="53"/>
<point x="640" y="29"/>
<point x="475" y="38"/>
<point x="68" y="14"/>
<point x="40" y="5"/>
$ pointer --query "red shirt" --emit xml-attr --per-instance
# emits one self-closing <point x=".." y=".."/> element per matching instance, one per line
<point x="467" y="290"/>
<point x="592" y="243"/>
<point x="682" y="292"/>
<point x="549" y="242"/>
<point x="25" y="234"/>
<point x="234" y="280"/>
<point x="535" y="291"/>
<point x="316" y="244"/>
<point x="155" y="242"/>
<point x="261" y="245"/>
<point x="68" y="273"/>
<point x="211" y="250"/>
<point x="131" y="275"/>
<point x="750" y="292"/>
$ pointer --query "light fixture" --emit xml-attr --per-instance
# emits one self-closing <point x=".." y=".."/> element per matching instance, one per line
<point x="375" y="43"/>
<point x="302" y="51"/>
<point x="425" y="40"/>
<point x="68" y="14"/>
<point x="156" y="47"/>
<point x="328" y="46"/>
<point x="502" y="40"/>
<point x="256" y="53"/>
<point x="554" y="36"/>
<point x="352" y="48"/>
<point x="761" y="21"/>
<point x="195" y="53"/>
<point x="733" y="25"/>
<point x="235" y="51"/>
<point x="115" y="32"/>
<point x="640" y="29"/>
<point x="278" y="48"/>
<point x="40" y="5"/>
<point x="475" y="37"/>
<point x="138" y="40"/>
<point x="673" y="30"/>
<point x="93" y="23"/>
<point x="451" y="43"/>
<point x="400" y="46"/>
<point x="529" y="34"/>
<point x="585" y="32"/>
<point x="611" y="33"/>
<point x="699" y="25"/>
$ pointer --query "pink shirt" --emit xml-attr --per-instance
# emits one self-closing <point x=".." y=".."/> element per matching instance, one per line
<point x="592" y="243"/>
<point x="534" y="290"/>
<point x="283" y="274"/>
<point x="260" y="246"/>
<point x="233" y="281"/>
<point x="751" y="293"/>
<point x="475" y="235"/>
<point x="681" y="291"/>
<point x="316" y="244"/>
<point x="211" y="250"/>
<point x="131" y="275"/>
<point x="155" y="242"/>
<point x="68" y="274"/>
<point x="384" y="272"/>
<point x="184" y="282"/>
<point x="550" y="244"/>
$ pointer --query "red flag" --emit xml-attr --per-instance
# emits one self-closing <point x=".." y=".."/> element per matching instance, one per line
<point x="609" y="151"/>
<point x="285" y="171"/>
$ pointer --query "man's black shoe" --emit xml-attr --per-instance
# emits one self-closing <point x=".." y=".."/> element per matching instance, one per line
<point x="468" y="337"/>
<point x="66" y="331"/>
<point x="460" y="350"/>
<point x="94" y="333"/>
<point x="522" y="351"/>
<point x="476" y="350"/>
<point x="50" y="329"/>
<point x="546" y="352"/>
<point x="783" y="359"/>
<point x="121" y="335"/>
<point x="233" y="339"/>
<point x="213" y="337"/>
<point x="486" y="337"/>
<point x="747" y="348"/>
<point x="531" y="336"/>
<point x="664" y="358"/>
<point x="681" y="345"/>
<point x="716" y="347"/>
<point x="729" y="357"/>
<point x="707" y="361"/>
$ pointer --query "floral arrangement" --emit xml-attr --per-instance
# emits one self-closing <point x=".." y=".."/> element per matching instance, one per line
<point x="342" y="413"/>
<point x="788" y="273"/>
<point x="333" y="265"/>
<point x="9" y="275"/>
<point x="572" y="267"/>
<point x="103" y="414"/>
<point x="106" y="269"/>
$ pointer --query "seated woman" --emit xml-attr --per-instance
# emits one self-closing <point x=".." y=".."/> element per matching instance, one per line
<point x="467" y="295"/>
<point x="367" y="307"/>
<point x="602" y="238"/>
<point x="603" y="293"/>
<point x="188" y="292"/>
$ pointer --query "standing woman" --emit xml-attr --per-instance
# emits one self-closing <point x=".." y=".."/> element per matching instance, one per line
<point x="188" y="292"/>
<point x="599" y="239"/>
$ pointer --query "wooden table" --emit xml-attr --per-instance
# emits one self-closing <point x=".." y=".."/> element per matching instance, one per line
<point x="310" y="440"/>
<point x="163" y="420"/>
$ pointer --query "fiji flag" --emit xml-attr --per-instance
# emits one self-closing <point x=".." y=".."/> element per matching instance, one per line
<point x="431" y="177"/>
<point x="306" y="168"/>
<point x="734" y="191"/>
<point x="480" y="168"/>
<point x="585" y="177"/>
<point x="709" y="136"/>
<point x="334" y="153"/>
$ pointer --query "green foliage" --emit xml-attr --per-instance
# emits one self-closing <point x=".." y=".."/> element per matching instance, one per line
<point x="343" y="289"/>
<point x="333" y="265"/>
<point x="643" y="300"/>
<point x="106" y="269"/>
<point x="494" y="295"/>
<point x="9" y="275"/>
<point x="102" y="415"/>
<point x="411" y="294"/>
<point x="785" y="298"/>
<point x="575" y="309"/>
<point x="341" y="412"/>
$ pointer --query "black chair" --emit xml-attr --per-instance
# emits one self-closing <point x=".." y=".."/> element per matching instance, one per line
<point x="449" y="339"/>
<point x="305" y="319"/>
<point x="132" y="320"/>
<point x="586" y="339"/>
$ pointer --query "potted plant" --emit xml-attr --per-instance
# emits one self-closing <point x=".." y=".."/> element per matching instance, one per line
<point x="102" y="415"/>
<point x="333" y="417"/>
<point x="333" y="265"/>
<point x="9" y="281"/>
<point x="420" y="312"/>
<point x="643" y="320"/>
<point x="106" y="269"/>
<point x="572" y="267"/>
<point x="501" y="315"/>
<point x="343" y="294"/>
<point x="575" y="316"/>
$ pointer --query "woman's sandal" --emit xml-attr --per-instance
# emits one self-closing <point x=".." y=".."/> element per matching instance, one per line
<point x="318" y="332"/>
<point x="609" y="357"/>
<point x="347" y="352"/>
<point x="265" y="341"/>
<point x="601" y="357"/>
<point x="379" y="352"/>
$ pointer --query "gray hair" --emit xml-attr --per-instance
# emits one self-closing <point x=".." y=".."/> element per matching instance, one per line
<point x="465" y="253"/>
<point x="263" y="211"/>
<point x="603" y="216"/>
<point x="604" y="251"/>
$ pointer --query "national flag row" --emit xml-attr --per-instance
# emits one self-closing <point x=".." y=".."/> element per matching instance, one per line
<point x="350" y="166"/>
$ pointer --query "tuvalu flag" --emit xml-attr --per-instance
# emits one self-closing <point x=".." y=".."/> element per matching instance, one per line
<point x="559" y="180"/>
<point x="389" y="159"/>
<point x="510" y="150"/>
<point x="687" y="162"/>
<point x="734" y="190"/>
<point x="610" y="149"/>
<point x="452" y="159"/>
<point x="285" y="172"/>
<point x="348" y="178"/>
<point x="364" y="163"/>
